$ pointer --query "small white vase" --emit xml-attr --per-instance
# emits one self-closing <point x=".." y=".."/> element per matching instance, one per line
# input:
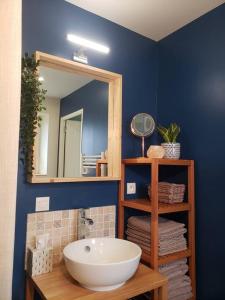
<point x="172" y="150"/>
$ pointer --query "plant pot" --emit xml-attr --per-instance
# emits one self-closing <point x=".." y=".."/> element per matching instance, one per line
<point x="172" y="150"/>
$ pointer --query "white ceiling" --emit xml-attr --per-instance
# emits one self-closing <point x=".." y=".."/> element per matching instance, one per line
<point x="60" y="84"/>
<point x="152" y="18"/>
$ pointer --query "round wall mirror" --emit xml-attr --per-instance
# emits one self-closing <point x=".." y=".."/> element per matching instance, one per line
<point x="142" y="125"/>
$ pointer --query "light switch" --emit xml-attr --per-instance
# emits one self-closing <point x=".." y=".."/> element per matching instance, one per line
<point x="131" y="188"/>
<point x="42" y="203"/>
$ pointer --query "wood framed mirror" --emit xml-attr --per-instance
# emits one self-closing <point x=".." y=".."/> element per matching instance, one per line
<point x="80" y="134"/>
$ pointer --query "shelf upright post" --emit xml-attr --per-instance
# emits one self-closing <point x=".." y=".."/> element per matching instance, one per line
<point x="154" y="215"/>
<point x="154" y="235"/>
<point x="121" y="207"/>
<point x="191" y="225"/>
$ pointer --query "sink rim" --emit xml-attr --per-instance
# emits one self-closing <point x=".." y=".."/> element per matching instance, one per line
<point x="139" y="252"/>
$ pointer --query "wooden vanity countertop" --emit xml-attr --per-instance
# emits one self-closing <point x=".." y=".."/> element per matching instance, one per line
<point x="59" y="285"/>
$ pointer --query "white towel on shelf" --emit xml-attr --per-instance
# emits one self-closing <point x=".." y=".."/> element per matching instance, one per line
<point x="185" y="296"/>
<point x="179" y="284"/>
<point x="171" y="240"/>
<point x="162" y="237"/>
<point x="181" y="281"/>
<point x="162" y="251"/>
<point x="171" y="234"/>
<point x="162" y="243"/>
<point x="168" y="266"/>
<point x="143" y="223"/>
<point x="179" y="291"/>
<point x="175" y="271"/>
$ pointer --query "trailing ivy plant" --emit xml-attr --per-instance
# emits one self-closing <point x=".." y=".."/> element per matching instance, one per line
<point x="32" y="97"/>
<point x="169" y="134"/>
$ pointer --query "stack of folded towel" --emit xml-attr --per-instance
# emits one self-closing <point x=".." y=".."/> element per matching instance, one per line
<point x="179" y="284"/>
<point x="169" y="192"/>
<point x="171" y="234"/>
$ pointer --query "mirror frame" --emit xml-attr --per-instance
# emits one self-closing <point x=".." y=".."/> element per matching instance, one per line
<point x="114" y="116"/>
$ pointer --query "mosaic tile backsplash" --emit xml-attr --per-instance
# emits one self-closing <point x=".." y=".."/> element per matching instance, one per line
<point x="67" y="226"/>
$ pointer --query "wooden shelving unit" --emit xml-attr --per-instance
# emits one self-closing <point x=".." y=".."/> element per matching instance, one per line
<point x="146" y="205"/>
<point x="156" y="208"/>
<point x="98" y="166"/>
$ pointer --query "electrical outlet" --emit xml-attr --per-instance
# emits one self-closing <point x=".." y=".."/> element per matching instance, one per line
<point x="42" y="203"/>
<point x="131" y="188"/>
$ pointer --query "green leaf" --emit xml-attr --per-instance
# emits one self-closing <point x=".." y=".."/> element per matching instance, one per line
<point x="32" y="97"/>
<point x="164" y="133"/>
<point x="169" y="135"/>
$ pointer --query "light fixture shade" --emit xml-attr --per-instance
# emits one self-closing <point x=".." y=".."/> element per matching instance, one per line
<point x="41" y="78"/>
<point x="87" y="43"/>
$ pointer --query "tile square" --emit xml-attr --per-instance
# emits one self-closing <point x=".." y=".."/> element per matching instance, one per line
<point x="65" y="214"/>
<point x="58" y="215"/>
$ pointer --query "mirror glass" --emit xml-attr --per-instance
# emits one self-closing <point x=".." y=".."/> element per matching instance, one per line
<point x="142" y="125"/>
<point x="73" y="135"/>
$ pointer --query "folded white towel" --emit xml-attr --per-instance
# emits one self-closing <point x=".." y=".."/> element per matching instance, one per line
<point x="178" y="283"/>
<point x="175" y="272"/>
<point x="174" y="250"/>
<point x="172" y="242"/>
<point x="144" y="234"/>
<point x="186" y="296"/>
<point x="180" y="291"/>
<point x="178" y="262"/>
<point x="170" y="267"/>
<point x="165" y="226"/>
<point x="163" y="243"/>
<point x="162" y="251"/>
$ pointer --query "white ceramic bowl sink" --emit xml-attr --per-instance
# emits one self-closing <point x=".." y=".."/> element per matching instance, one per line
<point x="102" y="264"/>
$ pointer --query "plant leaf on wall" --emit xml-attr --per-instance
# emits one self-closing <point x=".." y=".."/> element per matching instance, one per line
<point x="32" y="97"/>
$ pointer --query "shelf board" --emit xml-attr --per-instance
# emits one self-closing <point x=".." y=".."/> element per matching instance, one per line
<point x="102" y="161"/>
<point x="160" y="161"/>
<point x="145" y="205"/>
<point x="166" y="258"/>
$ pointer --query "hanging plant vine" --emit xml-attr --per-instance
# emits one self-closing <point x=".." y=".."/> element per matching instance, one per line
<point x="32" y="97"/>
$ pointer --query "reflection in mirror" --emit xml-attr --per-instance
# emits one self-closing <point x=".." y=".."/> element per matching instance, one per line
<point x="74" y="129"/>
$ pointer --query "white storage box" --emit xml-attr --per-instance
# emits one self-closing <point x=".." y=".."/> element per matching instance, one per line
<point x="39" y="261"/>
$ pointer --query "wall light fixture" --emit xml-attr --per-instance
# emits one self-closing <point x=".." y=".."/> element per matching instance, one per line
<point x="87" y="43"/>
<point x="41" y="78"/>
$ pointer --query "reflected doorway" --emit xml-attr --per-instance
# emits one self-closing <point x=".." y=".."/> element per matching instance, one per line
<point x="70" y="145"/>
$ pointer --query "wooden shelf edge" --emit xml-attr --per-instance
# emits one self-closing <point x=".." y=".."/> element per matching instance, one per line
<point x="173" y="208"/>
<point x="140" y="204"/>
<point x="145" y="205"/>
<point x="160" y="161"/>
<point x="146" y="258"/>
<point x="42" y="179"/>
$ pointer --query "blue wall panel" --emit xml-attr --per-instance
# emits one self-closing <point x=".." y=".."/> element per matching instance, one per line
<point x="93" y="99"/>
<point x="192" y="93"/>
<point x="45" y="25"/>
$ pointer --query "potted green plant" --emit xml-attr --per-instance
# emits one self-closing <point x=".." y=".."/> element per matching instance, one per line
<point x="32" y="98"/>
<point x="170" y="145"/>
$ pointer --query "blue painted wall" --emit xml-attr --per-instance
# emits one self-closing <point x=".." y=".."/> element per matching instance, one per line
<point x="93" y="99"/>
<point x="192" y="93"/>
<point x="45" y="25"/>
